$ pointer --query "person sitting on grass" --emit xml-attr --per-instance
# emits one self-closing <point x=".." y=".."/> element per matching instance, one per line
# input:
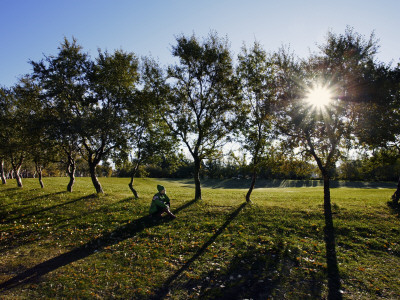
<point x="160" y="203"/>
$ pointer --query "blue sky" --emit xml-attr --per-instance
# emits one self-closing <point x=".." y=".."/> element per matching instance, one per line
<point x="31" y="28"/>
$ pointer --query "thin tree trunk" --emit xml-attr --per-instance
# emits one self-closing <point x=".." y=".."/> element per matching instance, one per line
<point x="16" y="168"/>
<point x="3" y="176"/>
<point x="396" y="195"/>
<point x="95" y="181"/>
<point x="132" y="179"/>
<point x="334" y="285"/>
<point x="197" y="163"/>
<point x="71" y="173"/>
<point x="333" y="269"/>
<point x="18" y="176"/>
<point x="40" y="178"/>
<point x="253" y="182"/>
<point x="39" y="171"/>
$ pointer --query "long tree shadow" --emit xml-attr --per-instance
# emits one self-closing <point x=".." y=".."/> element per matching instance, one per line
<point x="121" y="233"/>
<point x="163" y="291"/>
<point x="86" y="214"/>
<point x="26" y="201"/>
<point x="46" y="209"/>
<point x="30" y="236"/>
<point x="12" y="193"/>
<point x="394" y="208"/>
<point x="259" y="274"/>
<point x="252" y="274"/>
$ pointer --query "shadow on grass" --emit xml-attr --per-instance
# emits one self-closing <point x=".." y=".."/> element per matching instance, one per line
<point x="44" y="209"/>
<point x="163" y="291"/>
<point x="120" y="234"/>
<point x="284" y="183"/>
<point x="102" y="209"/>
<point x="394" y="208"/>
<point x="30" y="236"/>
<point x="11" y="191"/>
<point x="18" y="240"/>
<point x="259" y="274"/>
<point x="29" y="200"/>
<point x="254" y="273"/>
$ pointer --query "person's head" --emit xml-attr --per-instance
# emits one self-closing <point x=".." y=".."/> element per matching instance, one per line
<point x="161" y="189"/>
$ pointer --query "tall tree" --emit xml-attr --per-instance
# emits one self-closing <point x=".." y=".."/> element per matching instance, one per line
<point x="255" y="75"/>
<point x="148" y="134"/>
<point x="201" y="99"/>
<point x="112" y="81"/>
<point x="86" y="98"/>
<point x="19" y="107"/>
<point x="4" y="132"/>
<point x="319" y="114"/>
<point x="38" y="149"/>
<point x="65" y="85"/>
<point x="379" y="127"/>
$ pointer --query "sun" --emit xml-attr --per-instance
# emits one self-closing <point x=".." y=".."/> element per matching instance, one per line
<point x="319" y="96"/>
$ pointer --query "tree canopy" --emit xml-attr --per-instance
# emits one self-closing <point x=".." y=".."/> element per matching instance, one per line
<point x="201" y="98"/>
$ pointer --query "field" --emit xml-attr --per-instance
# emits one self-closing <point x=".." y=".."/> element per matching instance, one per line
<point x="56" y="244"/>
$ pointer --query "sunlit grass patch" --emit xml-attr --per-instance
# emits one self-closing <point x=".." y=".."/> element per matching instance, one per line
<point x="83" y="245"/>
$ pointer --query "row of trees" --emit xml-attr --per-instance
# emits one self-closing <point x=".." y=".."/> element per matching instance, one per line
<point x="72" y="107"/>
<point x="383" y="165"/>
<point x="117" y="107"/>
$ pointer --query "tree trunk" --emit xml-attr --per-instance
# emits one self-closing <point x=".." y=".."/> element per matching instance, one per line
<point x="96" y="183"/>
<point x="71" y="173"/>
<point x="18" y="176"/>
<point x="396" y="195"/>
<point x="253" y="182"/>
<point x="197" y="163"/>
<point x="3" y="176"/>
<point x="333" y="269"/>
<point x="39" y="171"/>
<point x="16" y="165"/>
<point x="132" y="179"/>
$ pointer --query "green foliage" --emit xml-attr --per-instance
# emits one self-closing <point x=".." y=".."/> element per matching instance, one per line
<point x="84" y="245"/>
<point x="200" y="100"/>
<point x="87" y="100"/>
<point x="5" y="114"/>
<point x="198" y="107"/>
<point x="382" y="165"/>
<point x="255" y="74"/>
<point x="343" y="67"/>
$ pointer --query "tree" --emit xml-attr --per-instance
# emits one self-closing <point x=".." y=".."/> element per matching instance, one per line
<point x="4" y="122"/>
<point x="64" y="83"/>
<point x="198" y="108"/>
<point x="255" y="74"/>
<point x="86" y="99"/>
<point x="25" y="95"/>
<point x="112" y="81"/>
<point x="340" y="76"/>
<point x="16" y="110"/>
<point x="379" y="125"/>
<point x="39" y="150"/>
<point x="148" y="134"/>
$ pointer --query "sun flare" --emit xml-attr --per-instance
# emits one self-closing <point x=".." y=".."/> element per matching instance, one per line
<point x="319" y="96"/>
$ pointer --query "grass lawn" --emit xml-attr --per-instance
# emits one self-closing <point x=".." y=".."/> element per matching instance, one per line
<point x="56" y="244"/>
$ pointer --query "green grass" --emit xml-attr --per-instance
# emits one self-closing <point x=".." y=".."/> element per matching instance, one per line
<point x="55" y="244"/>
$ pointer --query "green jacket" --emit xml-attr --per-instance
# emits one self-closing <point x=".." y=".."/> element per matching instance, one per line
<point x="160" y="201"/>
